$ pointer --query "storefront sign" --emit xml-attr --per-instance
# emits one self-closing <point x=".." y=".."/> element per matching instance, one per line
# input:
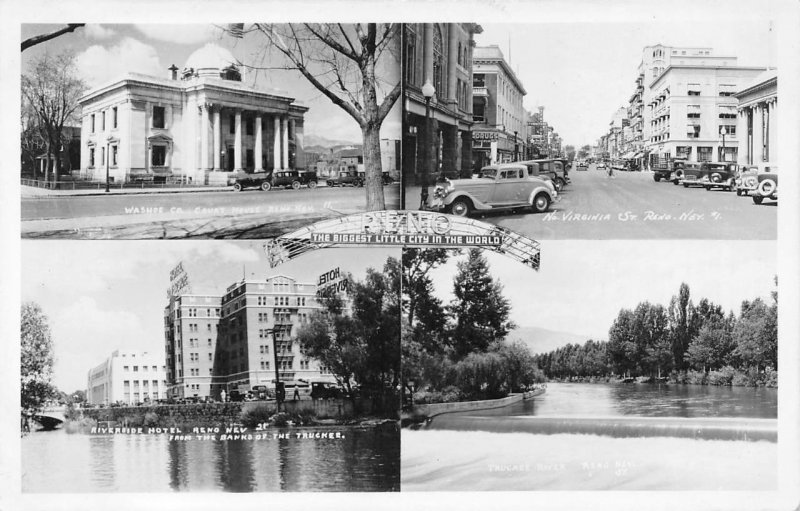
<point x="485" y="135"/>
<point x="402" y="229"/>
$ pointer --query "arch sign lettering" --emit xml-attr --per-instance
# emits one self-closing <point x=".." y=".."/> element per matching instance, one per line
<point x="398" y="228"/>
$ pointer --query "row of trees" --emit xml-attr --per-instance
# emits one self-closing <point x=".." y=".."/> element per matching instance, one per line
<point x="355" y="335"/>
<point x="458" y="351"/>
<point x="653" y="340"/>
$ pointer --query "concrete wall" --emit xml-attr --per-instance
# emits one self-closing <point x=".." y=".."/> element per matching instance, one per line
<point x="433" y="409"/>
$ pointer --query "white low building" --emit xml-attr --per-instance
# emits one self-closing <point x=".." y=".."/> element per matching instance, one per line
<point x="198" y="126"/>
<point x="757" y="121"/>
<point x="128" y="377"/>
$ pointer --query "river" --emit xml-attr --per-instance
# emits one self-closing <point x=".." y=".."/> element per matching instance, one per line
<point x="611" y="438"/>
<point x="363" y="459"/>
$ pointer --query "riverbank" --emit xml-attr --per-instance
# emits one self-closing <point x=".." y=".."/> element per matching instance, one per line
<point x="725" y="377"/>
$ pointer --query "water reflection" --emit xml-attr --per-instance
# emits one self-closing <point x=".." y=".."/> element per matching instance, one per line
<point x="365" y="459"/>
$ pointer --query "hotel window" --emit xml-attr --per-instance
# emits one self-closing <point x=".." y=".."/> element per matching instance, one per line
<point x="727" y="112"/>
<point x="692" y="111"/>
<point x="210" y="357"/>
<point x="158" y="117"/>
<point x="92" y="122"/>
<point x="114" y="117"/>
<point x="135" y="369"/>
<point x="159" y="158"/>
<point x="125" y="368"/>
<point x="693" y="89"/>
<point x="726" y="90"/>
<point x="209" y="343"/>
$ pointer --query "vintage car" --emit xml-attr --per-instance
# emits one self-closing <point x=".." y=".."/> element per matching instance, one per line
<point x="601" y="165"/>
<point x="767" y="186"/>
<point x="668" y="169"/>
<point x="387" y="178"/>
<point x="719" y="175"/>
<point x="294" y="179"/>
<point x="747" y="182"/>
<point x="261" y="180"/>
<point x="564" y="171"/>
<point x="582" y="165"/>
<point x="691" y="174"/>
<point x="553" y="169"/>
<point x="505" y="186"/>
<point x="347" y="178"/>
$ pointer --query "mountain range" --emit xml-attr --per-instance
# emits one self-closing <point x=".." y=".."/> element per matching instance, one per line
<point x="316" y="140"/>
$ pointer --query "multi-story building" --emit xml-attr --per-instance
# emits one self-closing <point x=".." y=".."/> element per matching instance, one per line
<point x="197" y="126"/>
<point x="693" y="105"/>
<point x="499" y="132"/>
<point x="128" y="377"/>
<point x="259" y="320"/>
<point x="390" y="157"/>
<point x="439" y="54"/>
<point x="757" y="120"/>
<point x="190" y="335"/>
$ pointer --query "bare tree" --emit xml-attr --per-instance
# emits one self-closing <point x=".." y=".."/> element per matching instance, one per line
<point x="353" y="66"/>
<point x="52" y="89"/>
<point x="38" y="39"/>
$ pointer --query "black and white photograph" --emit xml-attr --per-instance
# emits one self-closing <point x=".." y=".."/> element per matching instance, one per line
<point x="196" y="367"/>
<point x="595" y="130"/>
<point x="639" y="376"/>
<point x="206" y="131"/>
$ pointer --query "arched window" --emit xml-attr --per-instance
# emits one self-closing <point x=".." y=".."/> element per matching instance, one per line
<point x="438" y="61"/>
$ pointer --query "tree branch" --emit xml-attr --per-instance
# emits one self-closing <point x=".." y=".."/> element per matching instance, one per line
<point x="33" y="41"/>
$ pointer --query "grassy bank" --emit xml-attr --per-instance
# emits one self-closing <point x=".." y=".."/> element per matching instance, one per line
<point x="726" y="376"/>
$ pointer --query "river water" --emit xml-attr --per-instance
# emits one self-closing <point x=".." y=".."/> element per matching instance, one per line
<point x="364" y="459"/>
<point x="505" y="449"/>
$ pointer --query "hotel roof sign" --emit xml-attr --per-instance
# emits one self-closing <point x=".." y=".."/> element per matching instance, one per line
<point x="421" y="229"/>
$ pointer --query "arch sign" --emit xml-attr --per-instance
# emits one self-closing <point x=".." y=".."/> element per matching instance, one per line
<point x="398" y="228"/>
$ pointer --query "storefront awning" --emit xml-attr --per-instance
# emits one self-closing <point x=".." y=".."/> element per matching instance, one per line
<point x="628" y="155"/>
<point x="638" y="155"/>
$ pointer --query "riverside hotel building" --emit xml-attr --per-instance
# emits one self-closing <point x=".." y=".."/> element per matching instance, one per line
<point x="215" y="343"/>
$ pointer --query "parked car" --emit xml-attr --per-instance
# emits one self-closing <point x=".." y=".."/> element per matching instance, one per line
<point x="601" y="165"/>
<point x="255" y="180"/>
<point x="582" y="165"/>
<point x="325" y="390"/>
<point x="747" y="181"/>
<point x="294" y="179"/>
<point x="719" y="175"/>
<point x="666" y="168"/>
<point x="554" y="168"/>
<point x="347" y="178"/>
<point x="767" y="186"/>
<point x="691" y="175"/>
<point x="505" y="186"/>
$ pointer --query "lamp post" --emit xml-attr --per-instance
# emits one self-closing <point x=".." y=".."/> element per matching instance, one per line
<point x="722" y="131"/>
<point x="106" y="164"/>
<point x="277" y="372"/>
<point x="428" y="90"/>
<point x="516" y="147"/>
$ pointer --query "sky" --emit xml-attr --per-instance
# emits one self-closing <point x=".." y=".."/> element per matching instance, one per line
<point x="101" y="296"/>
<point x="582" y="285"/>
<point x="106" y="52"/>
<point x="583" y="72"/>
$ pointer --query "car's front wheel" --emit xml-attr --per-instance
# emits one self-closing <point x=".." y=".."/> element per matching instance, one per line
<point x="461" y="207"/>
<point x="237" y="187"/>
<point x="541" y="203"/>
<point x="560" y="184"/>
<point x="295" y="185"/>
<point x="656" y="178"/>
<point x="312" y="184"/>
<point x="738" y="193"/>
<point x="758" y="199"/>
<point x="266" y="185"/>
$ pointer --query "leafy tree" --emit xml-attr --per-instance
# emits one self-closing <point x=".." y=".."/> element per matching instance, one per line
<point x="36" y="359"/>
<point x="356" y="337"/>
<point x="755" y="335"/>
<point x="419" y="303"/>
<point x="622" y="348"/>
<point x="680" y="314"/>
<point x="713" y="345"/>
<point x="479" y="308"/>
<point x="51" y="89"/>
<point x="348" y="64"/>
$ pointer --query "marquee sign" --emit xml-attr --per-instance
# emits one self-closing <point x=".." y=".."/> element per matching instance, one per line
<point x="393" y="228"/>
<point x="332" y="279"/>
<point x="178" y="282"/>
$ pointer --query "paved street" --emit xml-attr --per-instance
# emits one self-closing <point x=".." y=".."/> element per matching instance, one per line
<point x="633" y="206"/>
<point x="210" y="214"/>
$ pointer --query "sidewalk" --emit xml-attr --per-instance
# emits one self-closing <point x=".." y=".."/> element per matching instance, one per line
<point x="33" y="192"/>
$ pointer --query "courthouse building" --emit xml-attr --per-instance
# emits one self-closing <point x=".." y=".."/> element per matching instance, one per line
<point x="198" y="125"/>
<point x="128" y="377"/>
<point x="439" y="54"/>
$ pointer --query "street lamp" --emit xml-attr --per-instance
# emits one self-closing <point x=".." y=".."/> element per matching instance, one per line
<point x="516" y="147"/>
<point x="722" y="131"/>
<point x="428" y="90"/>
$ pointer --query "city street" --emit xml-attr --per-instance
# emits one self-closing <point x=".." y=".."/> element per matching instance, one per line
<point x="210" y="214"/>
<point x="631" y="205"/>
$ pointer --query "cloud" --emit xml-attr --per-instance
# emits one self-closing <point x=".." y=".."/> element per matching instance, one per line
<point x="99" y="32"/>
<point x="99" y="64"/>
<point x="180" y="34"/>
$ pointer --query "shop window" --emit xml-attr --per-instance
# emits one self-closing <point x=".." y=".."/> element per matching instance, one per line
<point x="703" y="154"/>
<point x="159" y="117"/>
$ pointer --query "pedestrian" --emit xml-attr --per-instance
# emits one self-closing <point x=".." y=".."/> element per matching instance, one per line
<point x="610" y="170"/>
<point x="296" y="395"/>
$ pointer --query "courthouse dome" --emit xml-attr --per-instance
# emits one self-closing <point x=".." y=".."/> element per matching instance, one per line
<point x="210" y="60"/>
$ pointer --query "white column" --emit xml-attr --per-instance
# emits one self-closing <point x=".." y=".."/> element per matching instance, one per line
<point x="204" y="128"/>
<point x="758" y="138"/>
<point x="772" y="156"/>
<point x="276" y="151"/>
<point x="217" y="139"/>
<point x="741" y="136"/>
<point x="257" y="151"/>
<point x="237" y="141"/>
<point x="285" y="122"/>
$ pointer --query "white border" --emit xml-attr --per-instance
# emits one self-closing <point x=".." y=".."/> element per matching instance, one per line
<point x="787" y="16"/>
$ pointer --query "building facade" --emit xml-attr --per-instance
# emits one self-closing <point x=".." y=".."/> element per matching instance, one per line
<point x="198" y="126"/>
<point x="499" y="131"/>
<point x="127" y="377"/>
<point x="190" y="335"/>
<point x="693" y="106"/>
<point x="439" y="54"/>
<point x="757" y="120"/>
